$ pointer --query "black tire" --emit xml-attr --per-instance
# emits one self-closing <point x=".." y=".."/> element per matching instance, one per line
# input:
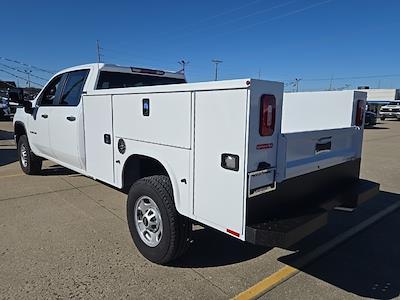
<point x="176" y="228"/>
<point x="33" y="163"/>
<point x="383" y="118"/>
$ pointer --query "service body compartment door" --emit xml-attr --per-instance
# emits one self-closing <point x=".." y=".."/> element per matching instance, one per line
<point x="99" y="137"/>
<point x="220" y="128"/>
<point x="265" y="108"/>
<point x="158" y="118"/>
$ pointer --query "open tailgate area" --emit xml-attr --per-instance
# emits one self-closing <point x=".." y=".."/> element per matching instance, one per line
<point x="317" y="168"/>
<point x="319" y="130"/>
<point x="300" y="206"/>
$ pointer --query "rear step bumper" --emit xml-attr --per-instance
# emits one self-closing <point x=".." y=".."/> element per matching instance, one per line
<point x="285" y="231"/>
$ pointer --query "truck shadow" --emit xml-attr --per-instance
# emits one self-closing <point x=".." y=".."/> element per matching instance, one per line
<point x="366" y="265"/>
<point x="57" y="170"/>
<point x="375" y="127"/>
<point x="7" y="156"/>
<point x="211" y="248"/>
<point x="6" y="135"/>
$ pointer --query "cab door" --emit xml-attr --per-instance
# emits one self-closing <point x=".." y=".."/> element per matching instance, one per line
<point x="66" y="122"/>
<point x="39" y="138"/>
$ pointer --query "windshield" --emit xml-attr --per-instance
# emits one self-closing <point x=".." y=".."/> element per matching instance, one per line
<point x="113" y="80"/>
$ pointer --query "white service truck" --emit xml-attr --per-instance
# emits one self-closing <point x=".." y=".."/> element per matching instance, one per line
<point x="230" y="155"/>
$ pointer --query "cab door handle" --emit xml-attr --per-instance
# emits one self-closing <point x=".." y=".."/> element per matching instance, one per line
<point x="71" y="118"/>
<point x="44" y="116"/>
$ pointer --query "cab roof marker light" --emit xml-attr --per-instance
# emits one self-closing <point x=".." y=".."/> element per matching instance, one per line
<point x="147" y="71"/>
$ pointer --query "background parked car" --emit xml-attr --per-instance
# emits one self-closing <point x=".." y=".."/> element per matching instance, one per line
<point x="5" y="112"/>
<point x="370" y="118"/>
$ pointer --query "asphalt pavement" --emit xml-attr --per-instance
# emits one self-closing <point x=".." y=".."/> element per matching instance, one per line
<point x="63" y="235"/>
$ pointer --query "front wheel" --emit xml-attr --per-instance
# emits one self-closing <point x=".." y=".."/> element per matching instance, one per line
<point x="159" y="232"/>
<point x="29" y="162"/>
<point x="383" y="118"/>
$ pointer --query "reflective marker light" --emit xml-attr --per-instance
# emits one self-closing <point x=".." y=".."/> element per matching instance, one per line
<point x="234" y="233"/>
<point x="230" y="161"/>
<point x="267" y="115"/>
<point x="360" y="112"/>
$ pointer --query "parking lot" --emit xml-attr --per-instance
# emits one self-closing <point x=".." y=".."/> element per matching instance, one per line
<point x="63" y="235"/>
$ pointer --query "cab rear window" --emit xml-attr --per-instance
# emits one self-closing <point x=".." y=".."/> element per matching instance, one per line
<point x="114" y="80"/>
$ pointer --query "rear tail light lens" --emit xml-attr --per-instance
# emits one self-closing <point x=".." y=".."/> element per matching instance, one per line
<point x="267" y="115"/>
<point x="360" y="112"/>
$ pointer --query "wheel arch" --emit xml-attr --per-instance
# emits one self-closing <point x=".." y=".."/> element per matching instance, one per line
<point x="19" y="130"/>
<point x="138" y="166"/>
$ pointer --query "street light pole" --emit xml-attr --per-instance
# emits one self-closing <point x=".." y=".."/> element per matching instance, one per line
<point x="216" y="62"/>
<point x="297" y="80"/>
<point x="183" y="63"/>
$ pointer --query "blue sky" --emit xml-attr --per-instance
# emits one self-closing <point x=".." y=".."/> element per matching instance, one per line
<point x="314" y="40"/>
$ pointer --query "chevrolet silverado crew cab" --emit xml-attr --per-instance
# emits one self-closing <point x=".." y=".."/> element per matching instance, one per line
<point x="391" y="110"/>
<point x="238" y="156"/>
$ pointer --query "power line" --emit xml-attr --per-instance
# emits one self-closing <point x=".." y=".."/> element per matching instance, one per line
<point x="26" y="65"/>
<point x="234" y="20"/>
<point x="227" y="12"/>
<point x="293" y="12"/>
<point x="19" y="77"/>
<point x="131" y="55"/>
<point x="20" y="71"/>
<point x="223" y="13"/>
<point x="352" y="77"/>
<point x="199" y="22"/>
<point x="296" y="83"/>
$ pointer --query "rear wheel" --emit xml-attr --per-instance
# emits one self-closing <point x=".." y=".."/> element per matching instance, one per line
<point x="29" y="162"/>
<point x="383" y="118"/>
<point x="159" y="232"/>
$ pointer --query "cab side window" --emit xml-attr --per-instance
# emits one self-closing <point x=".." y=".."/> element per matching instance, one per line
<point x="73" y="88"/>
<point x="51" y="92"/>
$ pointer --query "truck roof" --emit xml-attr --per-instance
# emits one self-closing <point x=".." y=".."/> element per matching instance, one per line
<point x="124" y="69"/>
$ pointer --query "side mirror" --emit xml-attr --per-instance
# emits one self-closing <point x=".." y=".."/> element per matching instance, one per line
<point x="28" y="107"/>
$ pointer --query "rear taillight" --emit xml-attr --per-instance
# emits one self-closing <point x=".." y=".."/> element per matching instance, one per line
<point x="267" y="115"/>
<point x="360" y="112"/>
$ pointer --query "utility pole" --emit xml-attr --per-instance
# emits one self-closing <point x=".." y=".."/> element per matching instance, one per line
<point x="216" y="62"/>
<point x="98" y="48"/>
<point x="28" y="73"/>
<point x="331" y="83"/>
<point x="183" y="63"/>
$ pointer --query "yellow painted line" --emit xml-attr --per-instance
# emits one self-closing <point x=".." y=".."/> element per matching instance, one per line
<point x="287" y="272"/>
<point x="13" y="175"/>
<point x="268" y="283"/>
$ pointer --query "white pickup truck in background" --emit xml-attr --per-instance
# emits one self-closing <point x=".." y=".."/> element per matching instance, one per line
<point x="230" y="155"/>
<point x="390" y="110"/>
